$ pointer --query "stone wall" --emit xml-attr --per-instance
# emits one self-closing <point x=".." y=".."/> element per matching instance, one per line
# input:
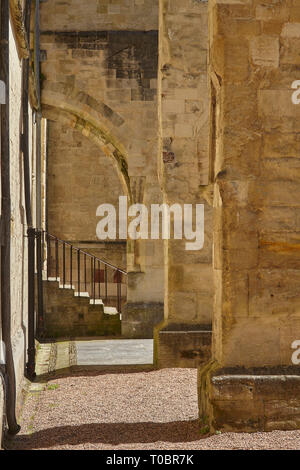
<point x="19" y="279"/>
<point x="253" y="63"/>
<point x="109" y="79"/>
<point x="102" y="15"/>
<point x="19" y="291"/>
<point x="256" y="250"/>
<point x="184" y="174"/>
<point x="184" y="107"/>
<point x="112" y="252"/>
<point x="80" y="178"/>
<point x="99" y="76"/>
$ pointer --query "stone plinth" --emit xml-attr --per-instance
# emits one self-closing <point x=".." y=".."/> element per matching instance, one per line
<point x="140" y="319"/>
<point x="182" y="345"/>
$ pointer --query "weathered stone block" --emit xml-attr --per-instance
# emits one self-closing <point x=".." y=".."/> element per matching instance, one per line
<point x="265" y="51"/>
<point x="140" y="319"/>
<point x="238" y="70"/>
<point x="183" y="345"/>
<point x="270" y="10"/>
<point x="291" y="30"/>
<point x="290" y="54"/>
<point x="250" y="401"/>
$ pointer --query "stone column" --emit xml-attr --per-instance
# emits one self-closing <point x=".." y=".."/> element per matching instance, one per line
<point x="252" y="383"/>
<point x="183" y="340"/>
<point x="144" y="308"/>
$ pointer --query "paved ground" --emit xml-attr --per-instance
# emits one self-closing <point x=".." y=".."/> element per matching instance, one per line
<point x="123" y="409"/>
<point x="115" y="352"/>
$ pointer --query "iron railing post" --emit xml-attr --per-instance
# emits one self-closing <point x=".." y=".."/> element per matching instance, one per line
<point x="40" y="323"/>
<point x="94" y="278"/>
<point x="56" y="259"/>
<point x="92" y="290"/>
<point x="85" y="289"/>
<point x="105" y="283"/>
<point x="71" y="266"/>
<point x="119" y="291"/>
<point x="64" y="264"/>
<point x="31" y="292"/>
<point x="78" y="270"/>
<point x="99" y="279"/>
<point x="48" y="256"/>
<point x="89" y="274"/>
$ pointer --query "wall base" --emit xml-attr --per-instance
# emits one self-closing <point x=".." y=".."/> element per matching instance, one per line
<point x="240" y="400"/>
<point x="139" y="319"/>
<point x="182" y="345"/>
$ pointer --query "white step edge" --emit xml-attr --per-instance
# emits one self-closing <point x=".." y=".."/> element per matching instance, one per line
<point x="66" y="286"/>
<point x="54" y="279"/>
<point x="81" y="294"/>
<point x="110" y="311"/>
<point x="96" y="302"/>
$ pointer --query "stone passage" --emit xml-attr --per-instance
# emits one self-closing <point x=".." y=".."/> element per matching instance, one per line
<point x="122" y="409"/>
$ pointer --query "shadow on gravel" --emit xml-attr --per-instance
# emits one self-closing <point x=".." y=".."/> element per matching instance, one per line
<point x="93" y="371"/>
<point x="109" y="433"/>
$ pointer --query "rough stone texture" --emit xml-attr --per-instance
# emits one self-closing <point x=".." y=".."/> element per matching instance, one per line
<point x="253" y="64"/>
<point x="18" y="227"/>
<point x="228" y="138"/>
<point x="100" y="77"/>
<point x="252" y="403"/>
<point x="103" y="15"/>
<point x="184" y="346"/>
<point x="256" y="249"/>
<point x="68" y="316"/>
<point x="88" y="172"/>
<point x="18" y="241"/>
<point x="113" y="252"/>
<point x="184" y="162"/>
<point x="19" y="279"/>
<point x="139" y="319"/>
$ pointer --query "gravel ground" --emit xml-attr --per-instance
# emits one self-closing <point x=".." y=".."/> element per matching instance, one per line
<point x="140" y="410"/>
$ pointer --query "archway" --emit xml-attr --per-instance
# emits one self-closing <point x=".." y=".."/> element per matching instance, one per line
<point x="64" y="103"/>
<point x="82" y="112"/>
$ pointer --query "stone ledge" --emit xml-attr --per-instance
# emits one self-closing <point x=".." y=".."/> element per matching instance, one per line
<point x="251" y="403"/>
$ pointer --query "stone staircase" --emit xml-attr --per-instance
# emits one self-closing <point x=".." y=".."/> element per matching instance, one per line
<point x="68" y="313"/>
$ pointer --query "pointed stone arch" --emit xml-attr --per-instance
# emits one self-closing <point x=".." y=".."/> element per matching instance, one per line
<point x="94" y="119"/>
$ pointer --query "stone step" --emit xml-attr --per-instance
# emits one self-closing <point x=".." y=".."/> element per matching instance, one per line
<point x="53" y="279"/>
<point x="82" y="294"/>
<point x="96" y="302"/>
<point x="110" y="311"/>
<point x="66" y="286"/>
<point x="107" y="310"/>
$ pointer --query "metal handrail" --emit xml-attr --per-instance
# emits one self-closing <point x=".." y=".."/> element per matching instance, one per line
<point x="95" y="266"/>
<point x="86" y="253"/>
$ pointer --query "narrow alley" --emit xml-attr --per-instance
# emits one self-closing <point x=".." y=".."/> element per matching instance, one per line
<point x="121" y="408"/>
